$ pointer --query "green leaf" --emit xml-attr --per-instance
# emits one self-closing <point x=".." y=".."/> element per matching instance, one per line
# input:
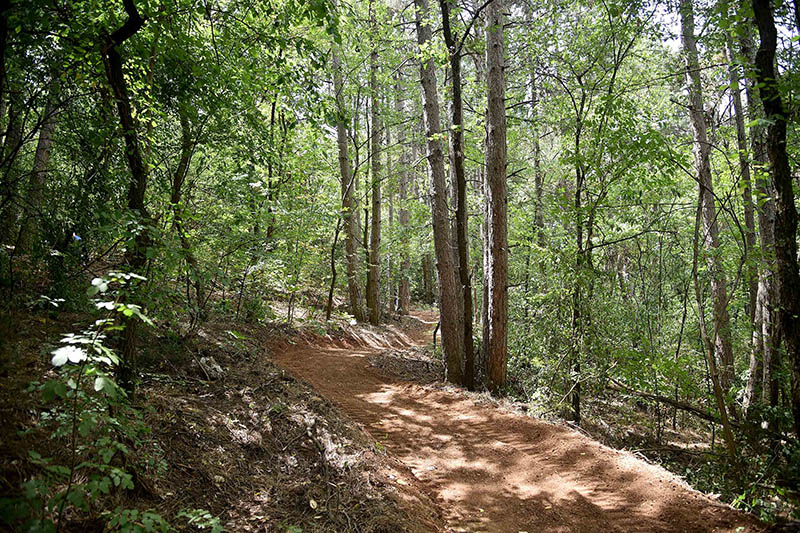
<point x="73" y="354"/>
<point x="107" y="454"/>
<point x="59" y="358"/>
<point x="105" y="384"/>
<point x="98" y="285"/>
<point x="52" y="389"/>
<point x="60" y="470"/>
<point x="85" y="427"/>
<point x="105" y="485"/>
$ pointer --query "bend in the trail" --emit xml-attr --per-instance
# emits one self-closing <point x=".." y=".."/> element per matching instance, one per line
<point x="495" y="471"/>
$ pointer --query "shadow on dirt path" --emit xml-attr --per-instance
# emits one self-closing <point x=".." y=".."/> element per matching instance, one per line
<point x="495" y="471"/>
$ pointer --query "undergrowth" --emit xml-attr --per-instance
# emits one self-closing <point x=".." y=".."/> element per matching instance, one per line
<point x="95" y="441"/>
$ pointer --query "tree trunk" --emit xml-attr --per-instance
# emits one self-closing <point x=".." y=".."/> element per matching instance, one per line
<point x="707" y="340"/>
<point x="480" y="178"/>
<point x="270" y="175"/>
<point x="497" y="346"/>
<point x="762" y="383"/>
<point x="179" y="210"/>
<point x="538" y="213"/>
<point x="404" y="288"/>
<point x="349" y="215"/>
<point x="29" y="232"/>
<point x="538" y="217"/>
<point x="10" y="178"/>
<point x="428" y="288"/>
<point x="391" y="292"/>
<point x="329" y="304"/>
<point x="6" y="189"/>
<point x="755" y="308"/>
<point x="483" y="360"/>
<point x="768" y="332"/>
<point x="457" y="148"/>
<point x="744" y="168"/>
<point x="796" y="6"/>
<point x="374" y="269"/>
<point x="786" y="215"/>
<point x="722" y="335"/>
<point x="135" y="256"/>
<point x="365" y="240"/>
<point x="450" y="304"/>
<point x="5" y="6"/>
<point x="577" y="319"/>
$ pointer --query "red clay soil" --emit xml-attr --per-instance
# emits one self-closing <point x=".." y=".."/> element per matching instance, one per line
<point x="495" y="471"/>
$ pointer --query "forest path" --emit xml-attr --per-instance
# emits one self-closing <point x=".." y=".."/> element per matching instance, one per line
<point x="495" y="471"/>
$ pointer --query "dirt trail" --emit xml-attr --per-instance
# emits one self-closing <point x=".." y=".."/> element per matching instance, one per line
<point x="495" y="471"/>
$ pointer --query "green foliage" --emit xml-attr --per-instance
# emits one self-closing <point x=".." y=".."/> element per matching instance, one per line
<point x="99" y="437"/>
<point x="135" y="521"/>
<point x="201" y="519"/>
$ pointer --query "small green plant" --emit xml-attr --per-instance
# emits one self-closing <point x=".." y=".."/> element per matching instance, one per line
<point x="96" y="432"/>
<point x="253" y="310"/>
<point x="135" y="521"/>
<point x="201" y="519"/>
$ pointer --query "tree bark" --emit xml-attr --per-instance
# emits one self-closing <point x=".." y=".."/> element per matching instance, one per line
<point x="480" y="178"/>
<point x="755" y="307"/>
<point x="7" y="215"/>
<point x="10" y="178"/>
<point x="497" y="346"/>
<point x="5" y="6"/>
<point x="30" y="230"/>
<point x="391" y="292"/>
<point x="796" y="6"/>
<point x="762" y="383"/>
<point x="404" y="287"/>
<point x="270" y="177"/>
<point x="677" y="404"/>
<point x="332" y="286"/>
<point x="577" y="319"/>
<point x="538" y="217"/>
<point x="135" y="256"/>
<point x="786" y="215"/>
<point x="767" y="332"/>
<point x="483" y="359"/>
<point x="179" y="211"/>
<point x="428" y="289"/>
<point x="374" y="269"/>
<point x="457" y="148"/>
<point x="349" y="215"/>
<point x="707" y="340"/>
<point x="449" y="294"/>
<point x="744" y="169"/>
<point x="722" y="336"/>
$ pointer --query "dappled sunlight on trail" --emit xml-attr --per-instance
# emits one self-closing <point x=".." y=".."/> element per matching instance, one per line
<point x="495" y="471"/>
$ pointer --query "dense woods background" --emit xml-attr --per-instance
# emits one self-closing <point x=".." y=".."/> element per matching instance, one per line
<point x="598" y="195"/>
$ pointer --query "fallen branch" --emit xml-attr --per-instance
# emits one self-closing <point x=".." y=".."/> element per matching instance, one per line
<point x="683" y="406"/>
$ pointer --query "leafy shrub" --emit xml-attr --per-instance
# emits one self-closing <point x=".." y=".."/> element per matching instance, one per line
<point x="97" y="430"/>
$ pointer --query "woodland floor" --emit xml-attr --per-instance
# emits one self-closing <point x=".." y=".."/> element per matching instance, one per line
<point x="257" y="448"/>
<point x="492" y="470"/>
